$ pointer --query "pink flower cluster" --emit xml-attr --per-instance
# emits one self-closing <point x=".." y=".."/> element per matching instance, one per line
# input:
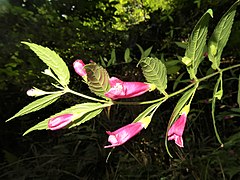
<point x="120" y="89"/>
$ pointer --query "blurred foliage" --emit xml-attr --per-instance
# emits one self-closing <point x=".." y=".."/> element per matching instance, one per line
<point x="103" y="30"/>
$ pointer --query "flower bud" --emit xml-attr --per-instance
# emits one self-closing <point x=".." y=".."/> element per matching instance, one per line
<point x="59" y="122"/>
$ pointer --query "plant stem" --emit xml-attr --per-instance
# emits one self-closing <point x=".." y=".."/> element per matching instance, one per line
<point x="84" y="96"/>
<point x="179" y="91"/>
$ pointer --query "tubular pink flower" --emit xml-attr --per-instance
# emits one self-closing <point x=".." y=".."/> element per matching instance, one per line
<point x="78" y="66"/>
<point x="59" y="122"/>
<point x="123" y="134"/>
<point x="176" y="131"/>
<point x="120" y="89"/>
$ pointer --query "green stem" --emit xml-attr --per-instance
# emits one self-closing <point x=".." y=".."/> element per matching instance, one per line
<point x="84" y="96"/>
<point x="179" y="91"/>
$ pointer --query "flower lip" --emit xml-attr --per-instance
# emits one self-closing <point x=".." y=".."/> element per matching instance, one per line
<point x="177" y="129"/>
<point x="120" y="89"/>
<point x="123" y="134"/>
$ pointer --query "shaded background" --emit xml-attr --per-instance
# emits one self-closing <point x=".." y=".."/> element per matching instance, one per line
<point x="85" y="29"/>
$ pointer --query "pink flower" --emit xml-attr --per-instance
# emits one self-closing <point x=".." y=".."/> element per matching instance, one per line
<point x="123" y="134"/>
<point x="120" y="89"/>
<point x="59" y="122"/>
<point x="176" y="131"/>
<point x="78" y="66"/>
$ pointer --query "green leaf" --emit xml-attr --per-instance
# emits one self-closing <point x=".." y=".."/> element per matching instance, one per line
<point x="181" y="44"/>
<point x="98" y="79"/>
<point x="146" y="112"/>
<point x="40" y="126"/>
<point x="37" y="105"/>
<point x="140" y="48"/>
<point x="173" y="66"/>
<point x="85" y="117"/>
<point x="177" y="81"/>
<point x="81" y="113"/>
<point x="180" y="104"/>
<point x="220" y="35"/>
<point x="112" y="61"/>
<point x="196" y="44"/>
<point x="216" y="94"/>
<point x="146" y="52"/>
<point x="102" y="62"/>
<point x="155" y="72"/>
<point x="127" y="57"/>
<point x="53" y="60"/>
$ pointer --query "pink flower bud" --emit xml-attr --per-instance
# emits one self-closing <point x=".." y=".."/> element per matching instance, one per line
<point x="59" y="122"/>
<point x="78" y="66"/>
<point x="176" y="130"/>
<point x="120" y="89"/>
<point x="36" y="92"/>
<point x="123" y="134"/>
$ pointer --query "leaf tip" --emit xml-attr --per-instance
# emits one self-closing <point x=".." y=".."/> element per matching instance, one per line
<point x="210" y="12"/>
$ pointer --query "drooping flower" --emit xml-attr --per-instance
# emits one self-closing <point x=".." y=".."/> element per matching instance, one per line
<point x="78" y="66"/>
<point x="123" y="134"/>
<point x="120" y="89"/>
<point x="176" y="130"/>
<point x="59" y="122"/>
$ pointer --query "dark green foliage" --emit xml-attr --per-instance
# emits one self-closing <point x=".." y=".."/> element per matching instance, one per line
<point x="78" y="153"/>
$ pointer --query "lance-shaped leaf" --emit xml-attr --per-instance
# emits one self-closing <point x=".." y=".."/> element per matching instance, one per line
<point x="81" y="113"/>
<point x="180" y="104"/>
<point x="85" y="117"/>
<point x="220" y="35"/>
<point x="155" y="72"/>
<point x="37" y="105"/>
<point x="127" y="57"/>
<point x="40" y="126"/>
<point x="98" y="79"/>
<point x="53" y="60"/>
<point x="196" y="44"/>
<point x="147" y="111"/>
<point x="217" y="93"/>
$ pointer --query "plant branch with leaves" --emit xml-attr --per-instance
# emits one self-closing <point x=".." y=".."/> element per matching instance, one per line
<point x="110" y="89"/>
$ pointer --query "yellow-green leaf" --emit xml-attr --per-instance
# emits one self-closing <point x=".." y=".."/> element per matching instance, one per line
<point x="53" y="60"/>
<point x="37" y="105"/>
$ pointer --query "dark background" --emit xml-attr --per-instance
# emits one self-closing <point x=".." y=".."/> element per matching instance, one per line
<point x="85" y="29"/>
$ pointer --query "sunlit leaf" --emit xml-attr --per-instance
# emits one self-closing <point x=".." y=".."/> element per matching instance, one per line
<point x="40" y="126"/>
<point x="197" y="41"/>
<point x="147" y="111"/>
<point x="155" y="72"/>
<point x="98" y="79"/>
<point x="53" y="60"/>
<point x="219" y="38"/>
<point x="81" y="113"/>
<point x="86" y="117"/>
<point x="180" y="104"/>
<point x="37" y="105"/>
